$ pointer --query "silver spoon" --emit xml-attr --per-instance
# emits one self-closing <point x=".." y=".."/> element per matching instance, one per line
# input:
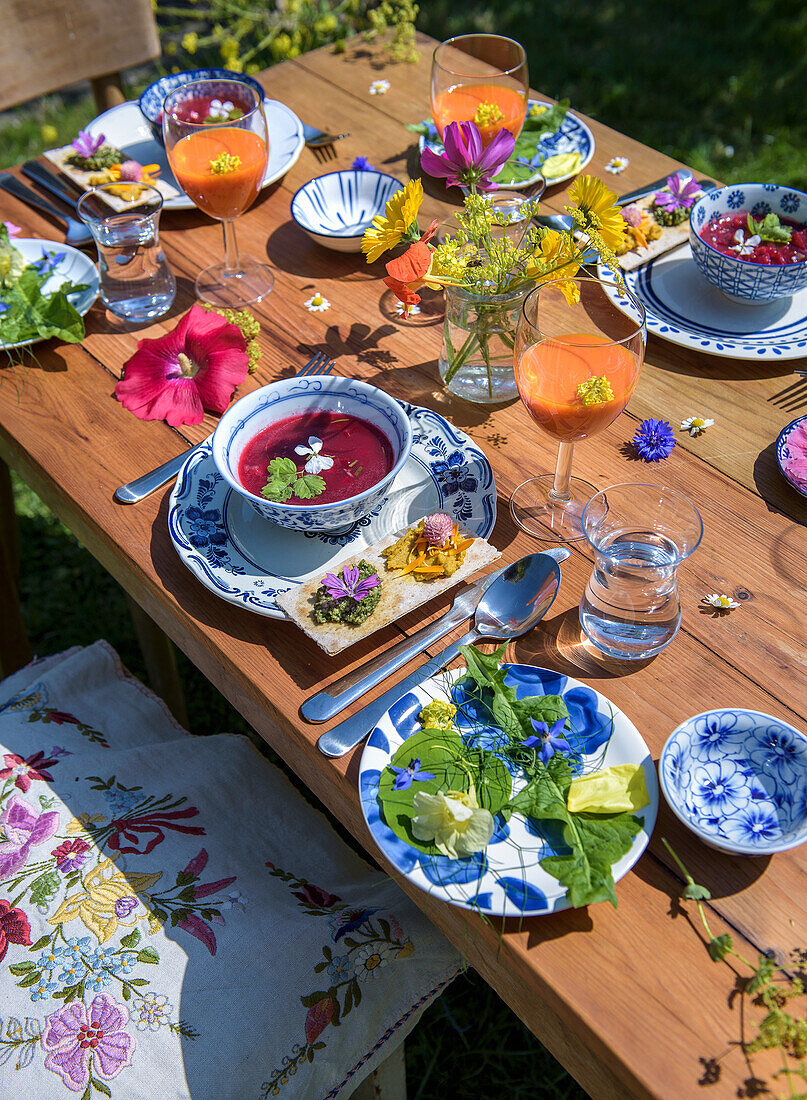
<point x="513" y="603"/>
<point x="77" y="234"/>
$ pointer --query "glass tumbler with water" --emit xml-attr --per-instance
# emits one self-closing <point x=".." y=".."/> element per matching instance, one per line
<point x="640" y="535"/>
<point x="136" y="282"/>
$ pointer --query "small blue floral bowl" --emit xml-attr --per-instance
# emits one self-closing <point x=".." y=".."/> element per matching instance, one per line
<point x="335" y="209"/>
<point x="152" y="99"/>
<point x="748" y="283"/>
<point x="290" y="397"/>
<point x="738" y="780"/>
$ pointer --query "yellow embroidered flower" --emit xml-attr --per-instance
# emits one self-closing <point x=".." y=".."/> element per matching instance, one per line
<point x="155" y="925"/>
<point x="597" y="205"/>
<point x="95" y="904"/>
<point x="406" y="950"/>
<point x="401" y="213"/>
<point x="80" y="824"/>
<point x="453" y="820"/>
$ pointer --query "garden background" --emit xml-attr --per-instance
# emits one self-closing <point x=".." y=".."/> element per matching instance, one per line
<point x="718" y="84"/>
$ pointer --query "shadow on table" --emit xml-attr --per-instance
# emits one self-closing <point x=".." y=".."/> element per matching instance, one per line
<point x="692" y="364"/>
<point x="289" y="249"/>
<point x="559" y="643"/>
<point x="778" y="494"/>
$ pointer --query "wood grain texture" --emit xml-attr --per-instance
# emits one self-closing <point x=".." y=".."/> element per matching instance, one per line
<point x="627" y="999"/>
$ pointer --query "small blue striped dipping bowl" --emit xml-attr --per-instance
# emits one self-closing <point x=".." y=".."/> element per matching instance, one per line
<point x="335" y="209"/>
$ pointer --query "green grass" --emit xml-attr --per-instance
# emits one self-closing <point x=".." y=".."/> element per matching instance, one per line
<point x="468" y="1043"/>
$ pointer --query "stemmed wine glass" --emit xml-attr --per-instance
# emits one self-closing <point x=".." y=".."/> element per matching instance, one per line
<point x="218" y="147"/>
<point x="480" y="78"/>
<point x="577" y="361"/>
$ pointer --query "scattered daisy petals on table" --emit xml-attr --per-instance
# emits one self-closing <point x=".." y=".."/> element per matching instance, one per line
<point x="695" y="425"/>
<point x="379" y="87"/>
<point x="719" y="603"/>
<point x="317" y="304"/>
<point x="617" y="165"/>
<point x="400" y="309"/>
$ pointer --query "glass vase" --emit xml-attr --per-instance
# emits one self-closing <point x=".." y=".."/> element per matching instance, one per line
<point x="476" y="358"/>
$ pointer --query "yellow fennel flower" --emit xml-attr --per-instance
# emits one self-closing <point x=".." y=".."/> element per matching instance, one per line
<point x="598" y="208"/>
<point x="400" y="215"/>
<point x="595" y="391"/>
<point x="487" y="114"/>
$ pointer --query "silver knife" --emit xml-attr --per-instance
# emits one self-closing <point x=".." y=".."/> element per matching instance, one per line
<point x="640" y="192"/>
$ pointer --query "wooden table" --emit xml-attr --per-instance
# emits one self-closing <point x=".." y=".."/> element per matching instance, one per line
<point x="627" y="999"/>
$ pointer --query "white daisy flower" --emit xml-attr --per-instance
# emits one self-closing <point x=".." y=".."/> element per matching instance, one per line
<point x="316" y="462"/>
<point x="400" y="309"/>
<point x="617" y="165"/>
<point x="720" y="603"/>
<point x="696" y="424"/>
<point x="152" y="1012"/>
<point x="316" y="303"/>
<point x="379" y="87"/>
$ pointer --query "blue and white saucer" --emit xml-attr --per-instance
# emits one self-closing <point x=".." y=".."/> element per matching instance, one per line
<point x="685" y="308"/>
<point x="506" y="879"/>
<point x="248" y="561"/>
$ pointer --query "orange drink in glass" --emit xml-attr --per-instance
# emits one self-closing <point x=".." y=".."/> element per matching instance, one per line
<point x="480" y="78"/>
<point x="577" y="361"/>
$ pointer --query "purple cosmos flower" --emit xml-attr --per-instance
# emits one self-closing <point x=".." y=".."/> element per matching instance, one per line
<point x="362" y="164"/>
<point x="654" y="440"/>
<point x="551" y="740"/>
<point x="48" y="262"/>
<point x="412" y="772"/>
<point x="683" y="190"/>
<point x="349" y="584"/>
<point x="85" y="144"/>
<point x="465" y="160"/>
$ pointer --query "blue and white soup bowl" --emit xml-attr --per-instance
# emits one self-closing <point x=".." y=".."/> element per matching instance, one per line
<point x="336" y="209"/>
<point x="152" y="99"/>
<point x="739" y="280"/>
<point x="738" y="780"/>
<point x="291" y="397"/>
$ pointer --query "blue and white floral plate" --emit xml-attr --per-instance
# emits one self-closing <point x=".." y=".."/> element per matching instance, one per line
<point x="686" y="309"/>
<point x="127" y="128"/>
<point x="248" y="561"/>
<point x="506" y="879"/>
<point x="783" y="453"/>
<point x="738" y="780"/>
<point x="572" y="136"/>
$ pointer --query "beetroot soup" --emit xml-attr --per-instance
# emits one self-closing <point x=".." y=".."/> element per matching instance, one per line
<point x="731" y="235"/>
<point x="324" y="457"/>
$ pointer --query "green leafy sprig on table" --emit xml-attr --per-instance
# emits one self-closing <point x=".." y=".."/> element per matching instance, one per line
<point x="286" y="481"/>
<point x="769" y="229"/>
<point x="595" y="841"/>
<point x="30" y="315"/>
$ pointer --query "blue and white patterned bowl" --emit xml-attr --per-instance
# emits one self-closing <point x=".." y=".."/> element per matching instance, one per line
<point x="738" y="780"/>
<point x="335" y="209"/>
<point x="291" y="397"/>
<point x="783" y="453"/>
<point x="152" y="99"/>
<point x="752" y="284"/>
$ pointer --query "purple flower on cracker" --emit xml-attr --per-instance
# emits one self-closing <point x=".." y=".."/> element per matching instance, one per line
<point x="348" y="584"/>
<point x="680" y="195"/>
<point x="86" y="145"/>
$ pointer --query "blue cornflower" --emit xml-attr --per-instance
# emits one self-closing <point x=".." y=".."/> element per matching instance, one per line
<point x="4" y="306"/>
<point x="551" y="740"/>
<point x="362" y="164"/>
<point x="405" y="776"/>
<point x="654" y="440"/>
<point x="48" y="262"/>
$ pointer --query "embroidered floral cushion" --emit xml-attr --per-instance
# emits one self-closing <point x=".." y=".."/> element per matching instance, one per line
<point x="176" y="921"/>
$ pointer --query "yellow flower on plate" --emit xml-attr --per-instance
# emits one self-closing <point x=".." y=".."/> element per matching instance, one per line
<point x="454" y="820"/>
<point x="95" y="904"/>
<point x="618" y="789"/>
<point x="598" y="208"/>
<point x="400" y="215"/>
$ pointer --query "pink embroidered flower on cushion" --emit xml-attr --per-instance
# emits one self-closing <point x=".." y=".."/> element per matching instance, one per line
<point x="76" y="1039"/>
<point x="313" y="895"/>
<point x="21" y="828"/>
<point x="61" y="716"/>
<point x="194" y="368"/>
<point x="71" y="855"/>
<point x="24" y="771"/>
<point x="14" y="928"/>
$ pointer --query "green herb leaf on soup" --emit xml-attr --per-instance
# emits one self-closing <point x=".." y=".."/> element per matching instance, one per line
<point x="769" y="229"/>
<point x="309" y="485"/>
<point x="282" y="475"/>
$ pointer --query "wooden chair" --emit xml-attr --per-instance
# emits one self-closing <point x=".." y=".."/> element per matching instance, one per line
<point x="48" y="44"/>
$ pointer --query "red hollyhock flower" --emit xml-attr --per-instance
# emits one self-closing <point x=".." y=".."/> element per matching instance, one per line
<point x="14" y="928"/>
<point x="180" y="375"/>
<point x="24" y="771"/>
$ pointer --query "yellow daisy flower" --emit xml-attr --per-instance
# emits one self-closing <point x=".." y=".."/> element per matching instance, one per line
<point x="598" y="205"/>
<point x="401" y="213"/>
<point x="546" y="263"/>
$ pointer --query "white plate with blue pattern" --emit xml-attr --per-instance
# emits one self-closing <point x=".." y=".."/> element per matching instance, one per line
<point x="248" y="561"/>
<point x="506" y="879"/>
<point x="126" y="127"/>
<point x="74" y="267"/>
<point x="572" y="136"/>
<point x="685" y="308"/>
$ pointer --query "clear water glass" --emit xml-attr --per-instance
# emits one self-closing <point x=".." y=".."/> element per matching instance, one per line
<point x="640" y="535"/>
<point x="136" y="281"/>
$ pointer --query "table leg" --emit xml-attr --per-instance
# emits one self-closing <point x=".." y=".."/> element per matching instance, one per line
<point x="15" y="650"/>
<point x="161" y="662"/>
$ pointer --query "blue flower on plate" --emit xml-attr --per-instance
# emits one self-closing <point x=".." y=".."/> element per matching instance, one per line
<point x="453" y="474"/>
<point x="756" y="823"/>
<point x="713" y="735"/>
<point x="779" y="754"/>
<point x="790" y="202"/>
<point x="205" y="527"/>
<point x="719" y="787"/>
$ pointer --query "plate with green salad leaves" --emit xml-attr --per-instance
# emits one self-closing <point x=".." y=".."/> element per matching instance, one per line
<point x="511" y="790"/>
<point x="45" y="290"/>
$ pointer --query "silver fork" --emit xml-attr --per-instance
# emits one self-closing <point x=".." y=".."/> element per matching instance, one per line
<point x="141" y="487"/>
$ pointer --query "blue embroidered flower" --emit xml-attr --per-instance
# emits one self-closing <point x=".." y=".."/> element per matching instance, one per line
<point x="52" y="957"/>
<point x="205" y="527"/>
<point x="756" y="823"/>
<point x="735" y="200"/>
<point x="341" y="969"/>
<point x="342" y="924"/>
<point x="122" y="800"/>
<point x="72" y="973"/>
<point x="42" y="990"/>
<point x="453" y="474"/>
<point x="719" y="788"/>
<point x="78" y="948"/>
<point x="790" y="202"/>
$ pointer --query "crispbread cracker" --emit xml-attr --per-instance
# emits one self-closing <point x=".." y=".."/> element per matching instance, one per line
<point x="399" y="594"/>
<point x="671" y="237"/>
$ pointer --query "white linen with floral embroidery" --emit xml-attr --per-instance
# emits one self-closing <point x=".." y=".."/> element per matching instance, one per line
<point x="175" y="920"/>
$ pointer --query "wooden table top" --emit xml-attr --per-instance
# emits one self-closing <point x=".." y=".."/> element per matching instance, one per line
<point x="627" y="999"/>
